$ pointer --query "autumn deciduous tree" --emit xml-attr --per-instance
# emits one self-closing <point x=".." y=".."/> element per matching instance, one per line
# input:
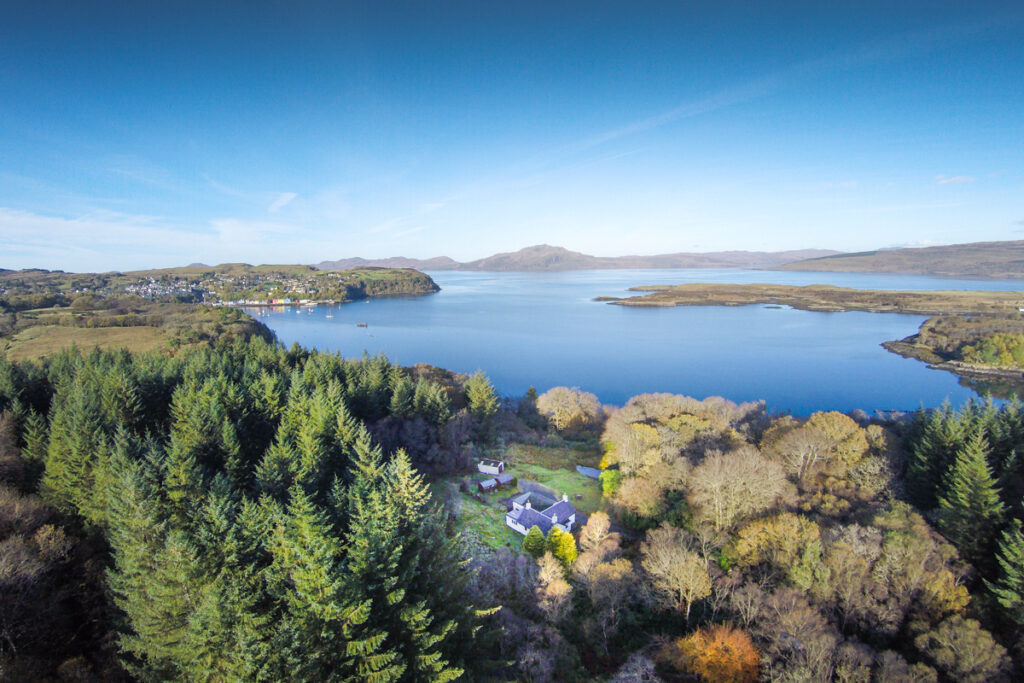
<point x="678" y="576"/>
<point x="568" y="410"/>
<point x="553" y="591"/>
<point x="827" y="440"/>
<point x="778" y="540"/>
<point x="726" y="488"/>
<point x="594" y="531"/>
<point x="963" y="651"/>
<point x="718" y="654"/>
<point x="611" y="587"/>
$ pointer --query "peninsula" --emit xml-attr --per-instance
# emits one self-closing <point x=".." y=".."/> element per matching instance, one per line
<point x="825" y="298"/>
<point x="44" y="311"/>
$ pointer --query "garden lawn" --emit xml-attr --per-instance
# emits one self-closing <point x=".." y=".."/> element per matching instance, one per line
<point x="483" y="523"/>
<point x="561" y="481"/>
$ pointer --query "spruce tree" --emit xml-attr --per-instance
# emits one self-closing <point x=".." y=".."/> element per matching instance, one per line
<point x="482" y="403"/>
<point x="938" y="434"/>
<point x="535" y="543"/>
<point x="401" y="395"/>
<point x="1009" y="587"/>
<point x="969" y="509"/>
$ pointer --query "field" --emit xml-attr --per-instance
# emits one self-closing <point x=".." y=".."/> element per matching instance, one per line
<point x="132" y="323"/>
<point x="45" y="340"/>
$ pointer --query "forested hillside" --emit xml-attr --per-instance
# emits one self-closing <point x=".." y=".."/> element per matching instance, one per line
<point x="225" y="514"/>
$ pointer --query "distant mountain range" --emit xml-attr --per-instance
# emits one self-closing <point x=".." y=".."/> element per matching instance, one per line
<point x="543" y="258"/>
<point x="981" y="260"/>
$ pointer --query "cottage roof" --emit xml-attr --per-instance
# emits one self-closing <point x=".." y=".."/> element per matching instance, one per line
<point x="529" y="517"/>
<point x="488" y="483"/>
<point x="538" y="501"/>
<point x="490" y="463"/>
<point x="505" y="478"/>
<point x="562" y="508"/>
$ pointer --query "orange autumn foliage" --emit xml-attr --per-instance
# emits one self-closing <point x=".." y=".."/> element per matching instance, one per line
<point x="718" y="654"/>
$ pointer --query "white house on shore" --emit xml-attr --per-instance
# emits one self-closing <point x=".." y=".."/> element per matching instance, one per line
<point x="532" y="509"/>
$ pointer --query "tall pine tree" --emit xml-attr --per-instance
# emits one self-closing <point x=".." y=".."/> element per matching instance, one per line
<point x="1008" y="589"/>
<point x="969" y="511"/>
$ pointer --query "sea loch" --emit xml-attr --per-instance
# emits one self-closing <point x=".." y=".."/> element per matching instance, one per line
<point x="544" y="329"/>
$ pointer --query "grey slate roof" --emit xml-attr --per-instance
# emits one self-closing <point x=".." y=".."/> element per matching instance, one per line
<point x="529" y="517"/>
<point x="505" y="478"/>
<point x="562" y="508"/>
<point x="537" y="500"/>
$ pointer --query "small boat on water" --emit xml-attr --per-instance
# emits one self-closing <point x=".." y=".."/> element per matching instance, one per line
<point x="361" y="325"/>
<point x="329" y="316"/>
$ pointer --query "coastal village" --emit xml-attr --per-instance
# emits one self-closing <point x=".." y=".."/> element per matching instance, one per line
<point x="227" y="285"/>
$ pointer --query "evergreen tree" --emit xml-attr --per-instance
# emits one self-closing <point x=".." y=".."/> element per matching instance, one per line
<point x="535" y="543"/>
<point x="1009" y="588"/>
<point x="401" y="395"/>
<point x="320" y="633"/>
<point x="482" y="403"/>
<point x="969" y="510"/>
<point x="147" y="572"/>
<point x="431" y="402"/>
<point x="35" y="436"/>
<point x="938" y="435"/>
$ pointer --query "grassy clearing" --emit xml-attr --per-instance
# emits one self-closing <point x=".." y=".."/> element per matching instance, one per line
<point x="553" y="457"/>
<point x="482" y="523"/>
<point x="564" y="481"/>
<point x="45" y="340"/>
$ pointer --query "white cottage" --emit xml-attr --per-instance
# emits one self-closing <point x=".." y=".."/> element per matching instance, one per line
<point x="534" y="509"/>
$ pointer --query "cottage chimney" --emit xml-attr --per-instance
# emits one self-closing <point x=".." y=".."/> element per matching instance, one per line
<point x="554" y="517"/>
<point x="565" y="498"/>
<point x="529" y="506"/>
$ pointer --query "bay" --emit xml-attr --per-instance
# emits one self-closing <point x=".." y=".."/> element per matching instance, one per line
<point x="544" y="330"/>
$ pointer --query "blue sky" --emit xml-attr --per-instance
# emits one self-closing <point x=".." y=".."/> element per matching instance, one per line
<point x="137" y="136"/>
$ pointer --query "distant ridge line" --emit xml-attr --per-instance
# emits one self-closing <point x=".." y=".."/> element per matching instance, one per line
<point x="546" y="258"/>
<point x="974" y="260"/>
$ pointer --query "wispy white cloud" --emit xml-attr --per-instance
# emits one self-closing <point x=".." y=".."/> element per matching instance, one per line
<point x="410" y="231"/>
<point x="106" y="240"/>
<point x="283" y="199"/>
<point x="954" y="180"/>
<point x="838" y="185"/>
<point x="893" y="48"/>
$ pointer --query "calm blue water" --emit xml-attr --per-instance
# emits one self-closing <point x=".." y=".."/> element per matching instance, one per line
<point x="543" y="329"/>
